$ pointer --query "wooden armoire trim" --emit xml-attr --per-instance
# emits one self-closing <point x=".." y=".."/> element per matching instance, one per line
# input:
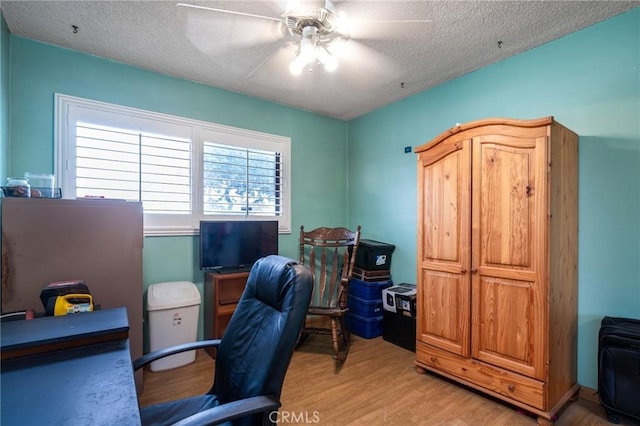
<point x="563" y="258"/>
<point x="539" y="122"/>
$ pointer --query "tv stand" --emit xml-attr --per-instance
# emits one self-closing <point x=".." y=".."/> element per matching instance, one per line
<point x="222" y="291"/>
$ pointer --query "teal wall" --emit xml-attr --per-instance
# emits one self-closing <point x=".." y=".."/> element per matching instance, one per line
<point x="590" y="82"/>
<point x="4" y="103"/>
<point x="4" y="99"/>
<point x="318" y="144"/>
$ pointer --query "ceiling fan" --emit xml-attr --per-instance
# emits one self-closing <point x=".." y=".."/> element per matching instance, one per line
<point x="316" y="31"/>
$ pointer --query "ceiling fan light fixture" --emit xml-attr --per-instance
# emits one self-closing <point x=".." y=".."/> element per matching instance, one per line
<point x="318" y="28"/>
<point x="307" y="51"/>
<point x="311" y="50"/>
<point x="298" y="63"/>
<point x="331" y="65"/>
<point x="295" y="68"/>
<point x="318" y="54"/>
<point x="329" y="61"/>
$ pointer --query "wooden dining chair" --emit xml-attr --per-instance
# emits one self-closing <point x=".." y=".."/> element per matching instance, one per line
<point x="330" y="254"/>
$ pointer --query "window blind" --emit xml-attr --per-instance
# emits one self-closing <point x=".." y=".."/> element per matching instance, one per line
<point x="241" y="181"/>
<point x="129" y="165"/>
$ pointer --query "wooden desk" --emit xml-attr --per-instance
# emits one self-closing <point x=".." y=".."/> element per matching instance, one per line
<point x="76" y="383"/>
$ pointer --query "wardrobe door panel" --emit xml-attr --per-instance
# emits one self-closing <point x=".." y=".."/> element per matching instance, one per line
<point x="507" y="324"/>
<point x="443" y="247"/>
<point x="506" y="209"/>
<point x="445" y="307"/>
<point x="508" y="295"/>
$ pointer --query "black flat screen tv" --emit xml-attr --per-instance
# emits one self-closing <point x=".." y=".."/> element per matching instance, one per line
<point x="236" y="245"/>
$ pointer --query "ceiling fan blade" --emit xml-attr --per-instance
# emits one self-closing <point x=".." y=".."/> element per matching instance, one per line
<point x="362" y="65"/>
<point x="385" y="30"/>
<point x="228" y="33"/>
<point x="393" y="21"/>
<point x="330" y="7"/>
<point x="363" y="24"/>
<point x="230" y="12"/>
<point x="275" y="64"/>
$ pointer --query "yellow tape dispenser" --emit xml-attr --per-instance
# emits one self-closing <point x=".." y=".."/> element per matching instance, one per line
<point x="72" y="304"/>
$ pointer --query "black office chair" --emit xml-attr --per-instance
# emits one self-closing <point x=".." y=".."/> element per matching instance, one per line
<point x="252" y="356"/>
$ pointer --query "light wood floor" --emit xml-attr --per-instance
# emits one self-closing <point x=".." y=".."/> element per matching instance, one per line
<point x="377" y="385"/>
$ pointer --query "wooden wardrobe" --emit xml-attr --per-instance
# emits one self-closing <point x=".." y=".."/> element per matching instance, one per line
<point x="498" y="260"/>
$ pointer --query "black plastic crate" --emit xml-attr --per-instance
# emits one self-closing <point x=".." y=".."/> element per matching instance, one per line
<point x="374" y="255"/>
<point x="399" y="329"/>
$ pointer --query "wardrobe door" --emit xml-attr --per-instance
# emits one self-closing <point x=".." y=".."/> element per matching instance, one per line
<point x="443" y="318"/>
<point x="508" y="260"/>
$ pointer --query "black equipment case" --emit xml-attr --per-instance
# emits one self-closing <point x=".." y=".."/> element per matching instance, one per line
<point x="619" y="367"/>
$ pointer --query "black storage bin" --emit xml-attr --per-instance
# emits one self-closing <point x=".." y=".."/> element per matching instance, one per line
<point x="619" y="367"/>
<point x="399" y="329"/>
<point x="374" y="255"/>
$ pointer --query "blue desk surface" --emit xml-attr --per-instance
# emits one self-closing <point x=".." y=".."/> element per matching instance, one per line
<point x="85" y="385"/>
<point x="50" y="330"/>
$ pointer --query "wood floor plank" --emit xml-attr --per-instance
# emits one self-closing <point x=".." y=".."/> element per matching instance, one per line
<point x="376" y="385"/>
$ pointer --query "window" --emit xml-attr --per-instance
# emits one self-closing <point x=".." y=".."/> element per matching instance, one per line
<point x="182" y="170"/>
<point x="239" y="181"/>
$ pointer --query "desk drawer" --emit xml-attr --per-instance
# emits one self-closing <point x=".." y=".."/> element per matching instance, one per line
<point x="497" y="380"/>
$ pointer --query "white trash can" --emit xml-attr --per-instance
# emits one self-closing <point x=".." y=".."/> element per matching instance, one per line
<point x="173" y="309"/>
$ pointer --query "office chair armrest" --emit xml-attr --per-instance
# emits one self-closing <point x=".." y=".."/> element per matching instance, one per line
<point x="172" y="350"/>
<point x="233" y="410"/>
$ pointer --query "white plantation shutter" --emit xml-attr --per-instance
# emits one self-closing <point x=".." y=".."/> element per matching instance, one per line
<point x="182" y="170"/>
<point x="119" y="163"/>
<point x="241" y="181"/>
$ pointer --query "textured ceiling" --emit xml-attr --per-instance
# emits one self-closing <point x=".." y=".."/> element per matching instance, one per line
<point x="380" y="64"/>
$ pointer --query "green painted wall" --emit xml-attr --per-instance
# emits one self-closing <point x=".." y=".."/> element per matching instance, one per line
<point x="590" y="82"/>
<point x="4" y="99"/>
<point x="4" y="104"/>
<point x="318" y="149"/>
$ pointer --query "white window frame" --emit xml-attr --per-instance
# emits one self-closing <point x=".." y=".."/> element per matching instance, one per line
<point x="69" y="108"/>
